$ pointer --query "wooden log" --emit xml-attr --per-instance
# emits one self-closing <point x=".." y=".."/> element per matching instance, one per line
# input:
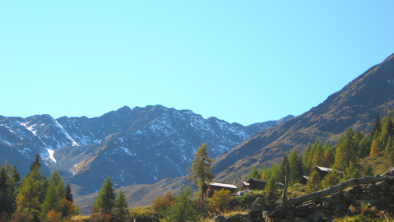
<point x="334" y="189"/>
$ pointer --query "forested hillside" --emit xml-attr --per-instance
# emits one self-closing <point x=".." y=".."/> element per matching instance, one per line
<point x="356" y="106"/>
<point x="345" y="158"/>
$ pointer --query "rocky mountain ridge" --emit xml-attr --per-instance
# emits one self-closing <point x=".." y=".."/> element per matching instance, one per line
<point x="133" y="146"/>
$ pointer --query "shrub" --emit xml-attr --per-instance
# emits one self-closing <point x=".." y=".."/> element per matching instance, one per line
<point x="183" y="209"/>
<point x="163" y="203"/>
<point x="219" y="201"/>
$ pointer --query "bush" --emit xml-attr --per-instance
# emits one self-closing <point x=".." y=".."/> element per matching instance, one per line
<point x="163" y="203"/>
<point x="183" y="209"/>
<point x="219" y="201"/>
<point x="243" y="202"/>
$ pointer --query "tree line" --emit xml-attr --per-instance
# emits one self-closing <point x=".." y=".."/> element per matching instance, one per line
<point x="343" y="157"/>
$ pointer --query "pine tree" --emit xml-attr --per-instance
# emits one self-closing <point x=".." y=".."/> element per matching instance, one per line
<point x="389" y="146"/>
<point x="121" y="206"/>
<point x="377" y="126"/>
<point x="16" y="176"/>
<point x="294" y="168"/>
<point x="3" y="190"/>
<point x="201" y="168"/>
<point x="68" y="193"/>
<point x="36" y="162"/>
<point x="105" y="200"/>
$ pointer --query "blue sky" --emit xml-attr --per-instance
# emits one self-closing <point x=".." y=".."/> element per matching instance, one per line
<point x="244" y="62"/>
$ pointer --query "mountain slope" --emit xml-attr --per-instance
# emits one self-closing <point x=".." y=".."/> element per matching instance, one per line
<point x="356" y="105"/>
<point x="133" y="146"/>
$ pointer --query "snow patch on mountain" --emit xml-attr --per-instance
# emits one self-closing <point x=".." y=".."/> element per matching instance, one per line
<point x="73" y="143"/>
<point x="30" y="128"/>
<point x="128" y="152"/>
<point x="50" y="152"/>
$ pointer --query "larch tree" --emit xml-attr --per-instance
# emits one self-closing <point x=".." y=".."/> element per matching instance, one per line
<point x="270" y="189"/>
<point x="307" y="158"/>
<point x="254" y="173"/>
<point x="314" y="183"/>
<point x="346" y="150"/>
<point x="318" y="154"/>
<point x="28" y="196"/>
<point x="373" y="148"/>
<point x="54" y="194"/>
<point x="201" y="168"/>
<point x="329" y="157"/>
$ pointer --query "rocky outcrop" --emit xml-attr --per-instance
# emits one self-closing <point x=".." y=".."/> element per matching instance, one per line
<point x="376" y="199"/>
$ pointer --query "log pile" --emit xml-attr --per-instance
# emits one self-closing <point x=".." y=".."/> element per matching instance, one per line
<point x="375" y="194"/>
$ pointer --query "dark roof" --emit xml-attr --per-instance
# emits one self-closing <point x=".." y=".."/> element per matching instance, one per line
<point x="256" y="180"/>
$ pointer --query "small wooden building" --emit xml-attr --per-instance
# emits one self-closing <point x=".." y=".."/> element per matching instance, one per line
<point x="255" y="184"/>
<point x="245" y="185"/>
<point x="304" y="180"/>
<point x="214" y="186"/>
<point x="322" y="171"/>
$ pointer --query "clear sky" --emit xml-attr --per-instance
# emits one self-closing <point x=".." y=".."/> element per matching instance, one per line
<point x="240" y="61"/>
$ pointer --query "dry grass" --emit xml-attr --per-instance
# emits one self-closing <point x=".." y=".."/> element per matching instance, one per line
<point x="147" y="209"/>
<point x="377" y="162"/>
<point x="79" y="217"/>
<point x="226" y="214"/>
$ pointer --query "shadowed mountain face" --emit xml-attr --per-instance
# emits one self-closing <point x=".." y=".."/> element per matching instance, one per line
<point x="356" y="105"/>
<point x="132" y="146"/>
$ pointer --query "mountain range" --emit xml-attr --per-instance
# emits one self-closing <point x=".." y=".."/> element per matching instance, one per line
<point x="132" y="146"/>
